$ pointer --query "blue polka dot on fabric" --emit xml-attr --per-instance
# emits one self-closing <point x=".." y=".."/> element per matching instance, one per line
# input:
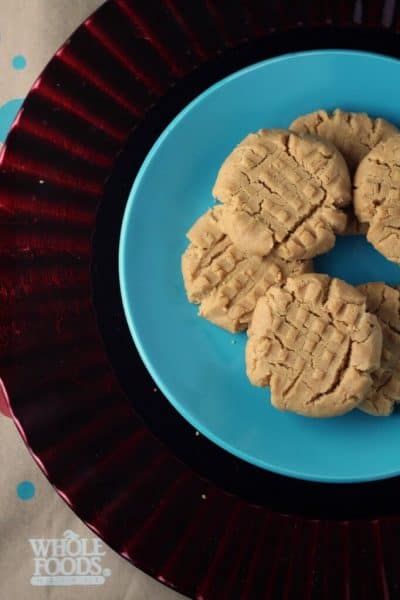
<point x="8" y="112"/>
<point x="25" y="490"/>
<point x="19" y="62"/>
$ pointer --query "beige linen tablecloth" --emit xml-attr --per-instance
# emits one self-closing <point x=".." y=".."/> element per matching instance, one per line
<point x="45" y="550"/>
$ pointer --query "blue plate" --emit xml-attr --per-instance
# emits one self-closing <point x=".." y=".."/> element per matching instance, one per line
<point x="199" y="367"/>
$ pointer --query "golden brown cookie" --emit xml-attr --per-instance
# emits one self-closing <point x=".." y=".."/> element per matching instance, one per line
<point x="377" y="196"/>
<point x="353" y="133"/>
<point x="224" y="281"/>
<point x="384" y="231"/>
<point x="384" y="302"/>
<point x="313" y="341"/>
<point x="283" y="192"/>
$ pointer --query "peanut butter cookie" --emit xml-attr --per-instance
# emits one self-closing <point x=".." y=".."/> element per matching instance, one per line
<point x="283" y="192"/>
<point x="314" y="343"/>
<point x="384" y="302"/>
<point x="384" y="231"/>
<point x="225" y="282"/>
<point x="377" y="196"/>
<point x="353" y="133"/>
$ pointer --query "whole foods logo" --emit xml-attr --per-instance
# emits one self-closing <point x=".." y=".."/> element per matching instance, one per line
<point x="70" y="560"/>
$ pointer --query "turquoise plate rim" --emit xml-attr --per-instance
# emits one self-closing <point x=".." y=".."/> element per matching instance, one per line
<point x="263" y="464"/>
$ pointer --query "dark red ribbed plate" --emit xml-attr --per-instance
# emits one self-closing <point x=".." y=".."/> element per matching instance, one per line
<point x="173" y="503"/>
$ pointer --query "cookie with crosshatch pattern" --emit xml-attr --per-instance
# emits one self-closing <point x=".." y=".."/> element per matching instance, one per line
<point x="354" y="134"/>
<point x="377" y="196"/>
<point x="314" y="343"/>
<point x="223" y="280"/>
<point x="384" y="302"/>
<point x="283" y="192"/>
